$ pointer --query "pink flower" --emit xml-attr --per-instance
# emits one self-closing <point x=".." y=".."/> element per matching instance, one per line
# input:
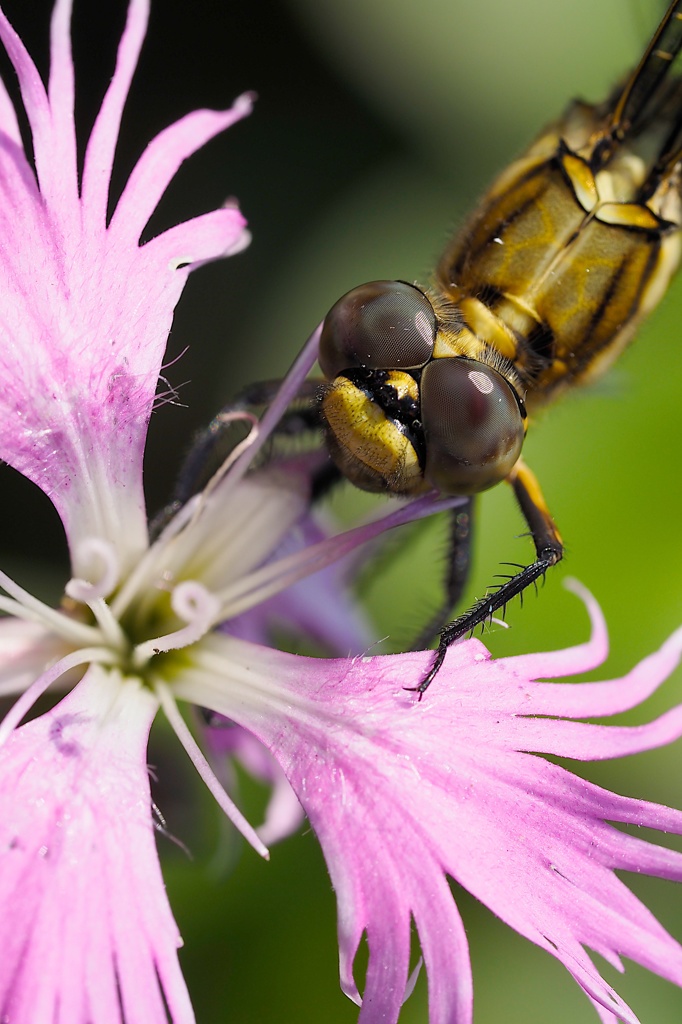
<point x="401" y="793"/>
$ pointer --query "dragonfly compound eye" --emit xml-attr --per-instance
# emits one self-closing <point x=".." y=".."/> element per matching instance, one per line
<point x="473" y="425"/>
<point x="383" y="325"/>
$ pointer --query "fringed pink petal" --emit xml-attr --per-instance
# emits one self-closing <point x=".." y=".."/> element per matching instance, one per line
<point x="32" y="89"/>
<point x="99" y="155"/>
<point x="448" y="966"/>
<point x="400" y="790"/>
<point x="85" y="311"/>
<point x="59" y="168"/>
<point x="160" y="162"/>
<point x="584" y="742"/>
<point x="9" y="125"/>
<point x="572" y="660"/>
<point x="86" y="930"/>
<point x="208" y="237"/>
<point x="607" y="698"/>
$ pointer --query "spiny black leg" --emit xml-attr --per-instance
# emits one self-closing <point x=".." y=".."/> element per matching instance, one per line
<point x="481" y="612"/>
<point x="549" y="551"/>
<point x="459" y="565"/>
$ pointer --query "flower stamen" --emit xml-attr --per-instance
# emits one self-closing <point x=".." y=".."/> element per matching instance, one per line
<point x="110" y="626"/>
<point x="100" y="550"/>
<point x="193" y="603"/>
<point x="25" y="606"/>
<point x="195" y="755"/>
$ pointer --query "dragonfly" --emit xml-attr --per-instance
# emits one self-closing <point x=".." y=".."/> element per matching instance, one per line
<point x="432" y="387"/>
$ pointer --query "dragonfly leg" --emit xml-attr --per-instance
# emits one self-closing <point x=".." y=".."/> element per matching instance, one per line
<point x="458" y="568"/>
<point x="549" y="550"/>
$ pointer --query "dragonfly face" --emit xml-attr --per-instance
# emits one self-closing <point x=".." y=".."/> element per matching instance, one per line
<point x="404" y="416"/>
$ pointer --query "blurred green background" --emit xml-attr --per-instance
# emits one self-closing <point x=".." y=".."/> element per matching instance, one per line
<point x="379" y="123"/>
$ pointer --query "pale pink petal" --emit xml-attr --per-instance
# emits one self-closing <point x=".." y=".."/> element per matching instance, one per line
<point x="51" y="127"/>
<point x="59" y="175"/>
<point x="194" y="242"/>
<point x="283" y="814"/>
<point x="9" y="125"/>
<point x="99" y="155"/>
<point x="32" y="89"/>
<point x="161" y="160"/>
<point x="571" y="660"/>
<point x="25" y="649"/>
<point x="85" y="310"/>
<point x="590" y="699"/>
<point x="86" y="931"/>
<point x="402" y="792"/>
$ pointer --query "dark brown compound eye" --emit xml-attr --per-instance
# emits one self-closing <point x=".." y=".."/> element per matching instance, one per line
<point x="473" y="425"/>
<point x="383" y="325"/>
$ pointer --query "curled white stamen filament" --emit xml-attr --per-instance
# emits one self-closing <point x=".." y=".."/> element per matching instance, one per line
<point x="193" y="603"/>
<point x="202" y="766"/>
<point x="86" y="656"/>
<point x="94" y="549"/>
